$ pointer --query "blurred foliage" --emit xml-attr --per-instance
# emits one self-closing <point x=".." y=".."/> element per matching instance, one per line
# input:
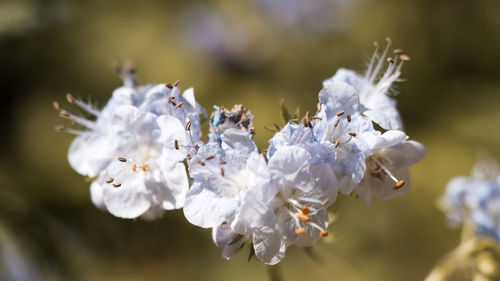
<point x="233" y="52"/>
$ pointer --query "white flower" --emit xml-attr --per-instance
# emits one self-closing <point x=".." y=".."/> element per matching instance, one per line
<point x="223" y="175"/>
<point x="341" y="129"/>
<point x="292" y="209"/>
<point x="146" y="175"/>
<point x="374" y="87"/>
<point x="387" y="174"/>
<point x="228" y="241"/>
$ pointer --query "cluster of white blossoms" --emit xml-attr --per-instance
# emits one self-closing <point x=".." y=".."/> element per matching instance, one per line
<point x="139" y="145"/>
<point x="475" y="200"/>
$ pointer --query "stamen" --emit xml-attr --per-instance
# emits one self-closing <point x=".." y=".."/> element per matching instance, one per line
<point x="336" y="143"/>
<point x="188" y="126"/>
<point x="317" y="118"/>
<point x="324" y="202"/>
<point x="82" y="105"/>
<point x="145" y="168"/>
<point x="134" y="167"/>
<point x="222" y="171"/>
<point x="116" y="185"/>
<point x="188" y="156"/>
<point x="171" y="97"/>
<point x="110" y="180"/>
<point x="223" y="162"/>
<point x="56" y="106"/>
<point x="348" y="117"/>
<point x="196" y="147"/>
<point x="398" y="51"/>
<point x="323" y="233"/>
<point x="82" y="121"/>
<point x="390" y="60"/>
<point x="336" y="123"/>
<point x="122" y="159"/>
<point x="352" y="134"/>
<point x="210" y="157"/>
<point x="70" y="98"/>
<point x="318" y="107"/>
<point x="201" y="162"/>
<point x="172" y="102"/>
<point x="168" y="85"/>
<point x="389" y="41"/>
<point x="302" y="217"/>
<point x="398" y="185"/>
<point x="179" y="104"/>
<point x="176" y="144"/>
<point x="300" y="231"/>
<point x="305" y="210"/>
<point x="404" y="58"/>
<point x="376" y="44"/>
<point x="177" y="83"/>
<point x="340" y="113"/>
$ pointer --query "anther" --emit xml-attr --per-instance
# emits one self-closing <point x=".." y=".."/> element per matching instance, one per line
<point x="210" y="157"/>
<point x="110" y="180"/>
<point x="179" y="104"/>
<point x="336" y="143"/>
<point x="302" y="217"/>
<point x="300" y="231"/>
<point x="188" y="126"/>
<point x="389" y="41"/>
<point x="145" y="168"/>
<point x="196" y="147"/>
<point x="122" y="159"/>
<point x="201" y="162"/>
<point x="172" y="102"/>
<point x="223" y="162"/>
<point x="59" y="128"/>
<point x="348" y="117"/>
<point x="317" y="118"/>
<point x="168" y="85"/>
<point x="336" y="123"/>
<point x="222" y="171"/>
<point x="116" y="185"/>
<point x="404" y="58"/>
<point x="64" y="113"/>
<point x="352" y="134"/>
<point x="376" y="44"/>
<point x="176" y="144"/>
<point x="171" y="98"/>
<point x="398" y="185"/>
<point x="70" y="98"/>
<point x="324" y="202"/>
<point x="305" y="210"/>
<point x="398" y="51"/>
<point x="177" y="83"/>
<point x="390" y="60"/>
<point x="323" y="233"/>
<point x="340" y="113"/>
<point x="134" y="167"/>
<point x="318" y="107"/>
<point x="56" y="106"/>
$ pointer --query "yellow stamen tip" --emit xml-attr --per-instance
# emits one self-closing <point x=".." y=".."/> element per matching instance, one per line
<point x="300" y="231"/>
<point x="145" y="168"/>
<point x="134" y="167"/>
<point x="302" y="217"/>
<point x="323" y="233"/>
<point x="398" y="185"/>
<point x="305" y="210"/>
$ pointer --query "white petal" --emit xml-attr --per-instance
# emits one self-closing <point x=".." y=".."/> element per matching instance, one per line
<point x="268" y="245"/>
<point x="290" y="166"/>
<point x="238" y="141"/>
<point x="207" y="206"/>
<point x="404" y="154"/>
<point x="177" y="185"/>
<point x="130" y="200"/>
<point x="96" y="194"/>
<point x="348" y="76"/>
<point x="339" y="96"/>
<point x="223" y="236"/>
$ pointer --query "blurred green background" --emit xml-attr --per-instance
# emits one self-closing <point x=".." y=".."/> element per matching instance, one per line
<point x="254" y="52"/>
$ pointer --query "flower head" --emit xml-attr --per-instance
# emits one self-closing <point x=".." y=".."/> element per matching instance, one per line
<point x="375" y="86"/>
<point x="238" y="117"/>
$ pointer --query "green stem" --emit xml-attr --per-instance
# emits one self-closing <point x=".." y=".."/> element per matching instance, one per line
<point x="274" y="272"/>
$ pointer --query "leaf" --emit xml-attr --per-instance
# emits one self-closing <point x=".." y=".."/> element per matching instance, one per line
<point x="284" y="112"/>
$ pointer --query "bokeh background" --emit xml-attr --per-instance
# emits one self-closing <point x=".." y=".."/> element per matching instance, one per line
<point x="254" y="52"/>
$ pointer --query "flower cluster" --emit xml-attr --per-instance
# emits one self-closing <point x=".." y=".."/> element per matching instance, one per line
<point x="139" y="145"/>
<point x="475" y="200"/>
